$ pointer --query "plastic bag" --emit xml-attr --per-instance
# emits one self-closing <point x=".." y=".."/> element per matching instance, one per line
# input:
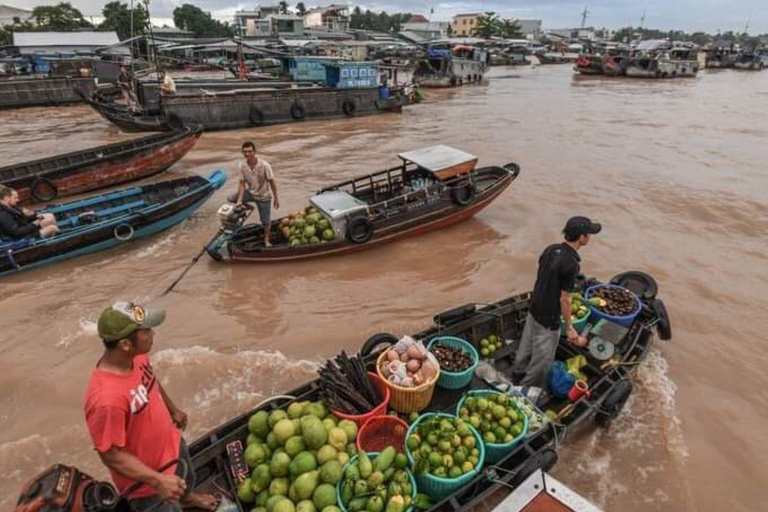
<point x="574" y="366"/>
<point x="560" y="381"/>
<point x="397" y="369"/>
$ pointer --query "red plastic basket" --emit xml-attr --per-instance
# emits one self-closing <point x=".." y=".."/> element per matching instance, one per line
<point x="379" y="410"/>
<point x="381" y="431"/>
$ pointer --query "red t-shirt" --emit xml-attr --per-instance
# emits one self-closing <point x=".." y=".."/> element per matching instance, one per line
<point x="127" y="411"/>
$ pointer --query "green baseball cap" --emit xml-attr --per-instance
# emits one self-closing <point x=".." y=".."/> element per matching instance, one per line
<point x="123" y="318"/>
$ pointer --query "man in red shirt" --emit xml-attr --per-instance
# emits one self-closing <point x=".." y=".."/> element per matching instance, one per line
<point x="133" y="423"/>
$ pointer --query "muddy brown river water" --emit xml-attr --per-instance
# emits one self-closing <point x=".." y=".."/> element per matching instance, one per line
<point x="677" y="172"/>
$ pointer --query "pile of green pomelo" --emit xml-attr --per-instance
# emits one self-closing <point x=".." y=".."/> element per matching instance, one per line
<point x="307" y="227"/>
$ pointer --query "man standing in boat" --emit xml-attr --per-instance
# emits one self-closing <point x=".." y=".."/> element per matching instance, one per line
<point x="257" y="186"/>
<point x="551" y="300"/>
<point x="134" y="425"/>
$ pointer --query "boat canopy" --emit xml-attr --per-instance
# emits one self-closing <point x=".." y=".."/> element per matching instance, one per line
<point x="443" y="161"/>
<point x="434" y="53"/>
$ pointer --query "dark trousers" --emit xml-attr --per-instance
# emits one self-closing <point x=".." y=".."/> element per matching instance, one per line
<point x="155" y="503"/>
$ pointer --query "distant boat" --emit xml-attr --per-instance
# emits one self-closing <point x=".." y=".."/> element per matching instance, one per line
<point x="657" y="59"/>
<point x="450" y="66"/>
<point x="749" y="61"/>
<point x="82" y="171"/>
<point x="116" y="218"/>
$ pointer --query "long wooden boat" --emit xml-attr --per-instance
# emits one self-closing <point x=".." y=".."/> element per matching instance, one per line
<point x="99" y="167"/>
<point x="749" y="61"/>
<point x="217" y="455"/>
<point x="433" y="188"/>
<point x="100" y="222"/>
<point x="244" y="108"/>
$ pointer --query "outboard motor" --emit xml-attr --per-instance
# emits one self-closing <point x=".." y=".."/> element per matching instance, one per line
<point x="231" y="217"/>
<point x="62" y="488"/>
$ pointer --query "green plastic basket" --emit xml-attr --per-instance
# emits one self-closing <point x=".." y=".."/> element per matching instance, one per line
<point x="578" y="323"/>
<point x="373" y="456"/>
<point x="456" y="380"/>
<point x="494" y="452"/>
<point x="437" y="487"/>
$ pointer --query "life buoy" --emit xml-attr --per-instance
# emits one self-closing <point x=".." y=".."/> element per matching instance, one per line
<point x="349" y="107"/>
<point x="174" y="121"/>
<point x="614" y="402"/>
<point x="463" y="194"/>
<point x="43" y="189"/>
<point x="256" y="116"/>
<point x="298" y="112"/>
<point x="359" y="230"/>
<point x="123" y="232"/>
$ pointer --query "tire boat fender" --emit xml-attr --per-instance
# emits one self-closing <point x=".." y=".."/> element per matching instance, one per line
<point x="377" y="342"/>
<point x="463" y="194"/>
<point x="663" y="326"/>
<point x="614" y="403"/>
<point x="174" y="121"/>
<point x="38" y="190"/>
<point x="349" y="107"/>
<point x="256" y="116"/>
<point x="297" y="111"/>
<point x="123" y="232"/>
<point x="359" y="230"/>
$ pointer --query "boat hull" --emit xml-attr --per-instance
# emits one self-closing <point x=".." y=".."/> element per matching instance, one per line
<point x="664" y="69"/>
<point x="35" y="92"/>
<point x="102" y="167"/>
<point x="461" y="72"/>
<point x="396" y="228"/>
<point x="251" y="108"/>
<point x="190" y="194"/>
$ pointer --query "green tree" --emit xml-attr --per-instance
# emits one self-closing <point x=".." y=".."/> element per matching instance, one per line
<point x="510" y="29"/>
<point x="301" y="8"/>
<point x="283" y="7"/>
<point x="487" y="25"/>
<point x="200" y="23"/>
<point x="61" y="17"/>
<point x="117" y="17"/>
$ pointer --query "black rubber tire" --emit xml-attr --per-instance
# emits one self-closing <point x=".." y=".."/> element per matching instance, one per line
<point x="453" y="81"/>
<point x="123" y="232"/>
<point x="663" y="326"/>
<point x="37" y="189"/>
<point x="549" y="459"/>
<point x="349" y="107"/>
<point x="651" y="289"/>
<point x="359" y="230"/>
<point x="174" y="122"/>
<point x="463" y="194"/>
<point x="256" y="116"/>
<point x="383" y="339"/>
<point x="613" y="403"/>
<point x="298" y="112"/>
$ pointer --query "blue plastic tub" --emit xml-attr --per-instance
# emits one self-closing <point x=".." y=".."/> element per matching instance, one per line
<point x="456" y="380"/>
<point x="494" y="452"/>
<point x="625" y="321"/>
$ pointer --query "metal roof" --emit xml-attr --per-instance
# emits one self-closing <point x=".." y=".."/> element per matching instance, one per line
<point x="97" y="39"/>
<point x="437" y="158"/>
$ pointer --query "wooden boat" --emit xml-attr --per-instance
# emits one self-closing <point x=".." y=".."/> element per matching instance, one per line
<point x="555" y="58"/>
<point x="749" y="61"/>
<point x="100" y="222"/>
<point x="656" y="59"/>
<point x="243" y="108"/>
<point x="217" y="457"/>
<point x="589" y="64"/>
<point x="445" y="66"/>
<point x="433" y="188"/>
<point x="103" y="166"/>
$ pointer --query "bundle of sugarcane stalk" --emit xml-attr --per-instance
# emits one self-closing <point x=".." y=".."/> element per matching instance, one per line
<point x="345" y="386"/>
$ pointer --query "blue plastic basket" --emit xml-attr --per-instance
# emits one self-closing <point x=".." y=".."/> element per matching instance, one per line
<point x="625" y="320"/>
<point x="373" y="456"/>
<point x="456" y="380"/>
<point x="494" y="452"/>
<point x="437" y="487"/>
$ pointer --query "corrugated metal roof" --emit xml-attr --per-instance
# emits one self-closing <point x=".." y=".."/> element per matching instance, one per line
<point x="97" y="39"/>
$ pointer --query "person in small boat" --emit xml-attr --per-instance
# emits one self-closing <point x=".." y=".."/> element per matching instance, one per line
<point x="167" y="85"/>
<point x="551" y="301"/>
<point x="257" y="187"/>
<point x="18" y="223"/>
<point x="125" y="83"/>
<point x="134" y="425"/>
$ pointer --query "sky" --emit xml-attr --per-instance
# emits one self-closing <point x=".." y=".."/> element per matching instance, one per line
<point x="688" y="15"/>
